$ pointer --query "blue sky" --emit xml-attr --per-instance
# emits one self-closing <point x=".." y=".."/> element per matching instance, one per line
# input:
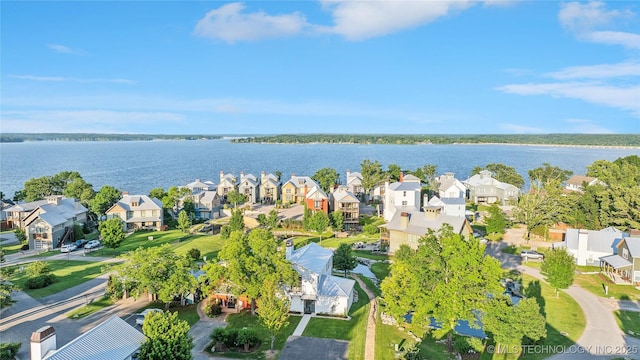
<point x="330" y="66"/>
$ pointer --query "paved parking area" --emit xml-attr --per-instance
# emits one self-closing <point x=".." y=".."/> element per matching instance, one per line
<point x="308" y="348"/>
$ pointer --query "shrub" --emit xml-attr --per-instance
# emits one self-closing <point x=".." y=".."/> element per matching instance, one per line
<point x="225" y="232"/>
<point x="8" y="351"/>
<point x="194" y="253"/>
<point x="37" y="268"/>
<point x="39" y="281"/>
<point x="370" y="229"/>
<point x="247" y="337"/>
<point x="212" y="309"/>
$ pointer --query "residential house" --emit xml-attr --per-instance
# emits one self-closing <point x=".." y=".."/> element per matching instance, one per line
<point x="377" y="193"/>
<point x="15" y="215"/>
<point x="269" y="191"/>
<point x="249" y="187"/>
<point x="137" y="212"/>
<point x="318" y="292"/>
<point x="450" y="187"/>
<point x="294" y="190"/>
<point x="228" y="183"/>
<point x="484" y="189"/>
<point x="406" y="227"/>
<point x="588" y="246"/>
<point x="206" y="202"/>
<point x="317" y="200"/>
<point x="624" y="266"/>
<point x="5" y="204"/>
<point x="577" y="182"/>
<point x="402" y="196"/>
<point x="454" y="206"/>
<point x="51" y="224"/>
<point x="348" y="204"/>
<point x="112" y="339"/>
<point x="354" y="183"/>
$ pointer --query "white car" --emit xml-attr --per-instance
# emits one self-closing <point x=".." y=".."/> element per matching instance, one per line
<point x="140" y="316"/>
<point x="65" y="248"/>
<point x="531" y="254"/>
<point x="92" y="244"/>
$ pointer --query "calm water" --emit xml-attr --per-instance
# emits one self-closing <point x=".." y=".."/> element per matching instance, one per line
<point x="139" y="166"/>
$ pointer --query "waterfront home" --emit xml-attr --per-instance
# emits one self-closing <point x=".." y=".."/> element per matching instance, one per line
<point x="294" y="190"/>
<point x="249" y="187"/>
<point x="137" y="212"/>
<point x="484" y="189"/>
<point x="578" y="182"/>
<point x="269" y="190"/>
<point x="454" y="206"/>
<point x="450" y="187"/>
<point x="406" y="227"/>
<point x="14" y="215"/>
<point x="317" y="200"/>
<point x="588" y="246"/>
<point x="403" y="195"/>
<point x="354" y="183"/>
<point x="205" y="199"/>
<point x="317" y="291"/>
<point x="227" y="184"/>
<point x="624" y="266"/>
<point x="198" y="186"/>
<point x="348" y="204"/>
<point x="51" y="224"/>
<point x="112" y="339"/>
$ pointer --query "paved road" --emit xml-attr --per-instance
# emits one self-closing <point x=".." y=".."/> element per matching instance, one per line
<point x="200" y="332"/>
<point x="602" y="338"/>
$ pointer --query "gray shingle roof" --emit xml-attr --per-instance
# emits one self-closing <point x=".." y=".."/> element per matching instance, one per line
<point x="405" y="186"/>
<point x="419" y="223"/>
<point x="113" y="339"/>
<point x="144" y="203"/>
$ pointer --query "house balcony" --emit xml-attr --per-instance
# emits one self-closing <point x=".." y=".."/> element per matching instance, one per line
<point x="40" y="236"/>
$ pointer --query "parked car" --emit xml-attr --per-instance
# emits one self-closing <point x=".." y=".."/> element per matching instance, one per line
<point x="92" y="244"/>
<point x="140" y="316"/>
<point x="531" y="254"/>
<point x="65" y="248"/>
<point x="81" y="243"/>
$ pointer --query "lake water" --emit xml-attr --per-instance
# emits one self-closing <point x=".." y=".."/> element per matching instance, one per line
<point x="138" y="166"/>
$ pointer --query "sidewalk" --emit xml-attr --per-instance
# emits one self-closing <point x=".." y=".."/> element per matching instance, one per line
<point x="370" y="342"/>
<point x="302" y="325"/>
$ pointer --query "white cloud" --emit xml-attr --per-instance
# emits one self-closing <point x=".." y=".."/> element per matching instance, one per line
<point x="229" y="24"/>
<point x="65" y="49"/>
<point x="584" y="126"/>
<point x="625" y="98"/>
<point x="359" y="20"/>
<point x="584" y="19"/>
<point x="71" y="79"/>
<point x="629" y="68"/>
<point x="522" y="129"/>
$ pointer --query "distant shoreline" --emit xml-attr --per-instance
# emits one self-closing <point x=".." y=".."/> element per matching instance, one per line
<point x="560" y="145"/>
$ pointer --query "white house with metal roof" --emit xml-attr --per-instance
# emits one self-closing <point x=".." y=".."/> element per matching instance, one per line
<point x="112" y="339"/>
<point x="318" y="292"/>
<point x="588" y="246"/>
<point x="354" y="183"/>
<point x="454" y="206"/>
<point x="450" y="187"/>
<point x="137" y="212"/>
<point x="249" y="186"/>
<point x="403" y="195"/>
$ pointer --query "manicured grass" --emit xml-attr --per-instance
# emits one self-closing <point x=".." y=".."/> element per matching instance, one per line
<point x="376" y="291"/>
<point x="588" y="268"/>
<point x="68" y="274"/>
<point x="140" y="239"/>
<point x="244" y="319"/>
<point x="380" y="270"/>
<point x="334" y="243"/>
<point x="11" y="249"/>
<point x="189" y="313"/>
<point x="208" y="245"/>
<point x="367" y="254"/>
<point x="595" y="284"/>
<point x="629" y="322"/>
<point x="514" y="250"/>
<point x="87" y="310"/>
<point x="354" y="330"/>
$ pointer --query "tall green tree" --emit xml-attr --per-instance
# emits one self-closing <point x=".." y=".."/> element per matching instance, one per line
<point x="509" y="323"/>
<point x="6" y="288"/>
<point x="496" y="221"/>
<point x="157" y="193"/>
<point x="337" y="220"/>
<point x="559" y="269"/>
<point x="319" y="222"/>
<point x="273" y="219"/>
<point x="20" y="235"/>
<point x="447" y="278"/>
<point x="184" y="222"/>
<point x="167" y="337"/>
<point x="503" y="173"/>
<point x="372" y="174"/>
<point x="111" y="232"/>
<point x="273" y="308"/>
<point x="546" y="174"/>
<point x="104" y="199"/>
<point x="236" y="223"/>
<point x="172" y="198"/>
<point x="234" y="197"/>
<point x="80" y="190"/>
<point x="537" y="208"/>
<point x="326" y="177"/>
<point x="393" y="172"/>
<point x="37" y="188"/>
<point x="344" y="258"/>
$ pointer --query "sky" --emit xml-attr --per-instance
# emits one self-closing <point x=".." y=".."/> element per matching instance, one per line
<point x="327" y="66"/>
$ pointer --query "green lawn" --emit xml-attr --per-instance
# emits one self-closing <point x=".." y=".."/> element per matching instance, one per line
<point x="68" y="274"/>
<point x="93" y="306"/>
<point x="629" y="322"/>
<point x="189" y="313"/>
<point x="208" y="246"/>
<point x="141" y="239"/>
<point x="244" y="319"/>
<point x="380" y="270"/>
<point x="376" y="291"/>
<point x="353" y="330"/>
<point x="367" y="254"/>
<point x="11" y="249"/>
<point x="335" y="242"/>
<point x="595" y="284"/>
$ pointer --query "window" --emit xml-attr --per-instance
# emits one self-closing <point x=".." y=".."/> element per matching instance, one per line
<point x="404" y="203"/>
<point x="404" y="193"/>
<point x="288" y="191"/>
<point x="625" y="253"/>
<point x="317" y="204"/>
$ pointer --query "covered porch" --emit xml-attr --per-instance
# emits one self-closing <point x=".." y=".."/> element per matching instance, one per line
<point x="617" y="268"/>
